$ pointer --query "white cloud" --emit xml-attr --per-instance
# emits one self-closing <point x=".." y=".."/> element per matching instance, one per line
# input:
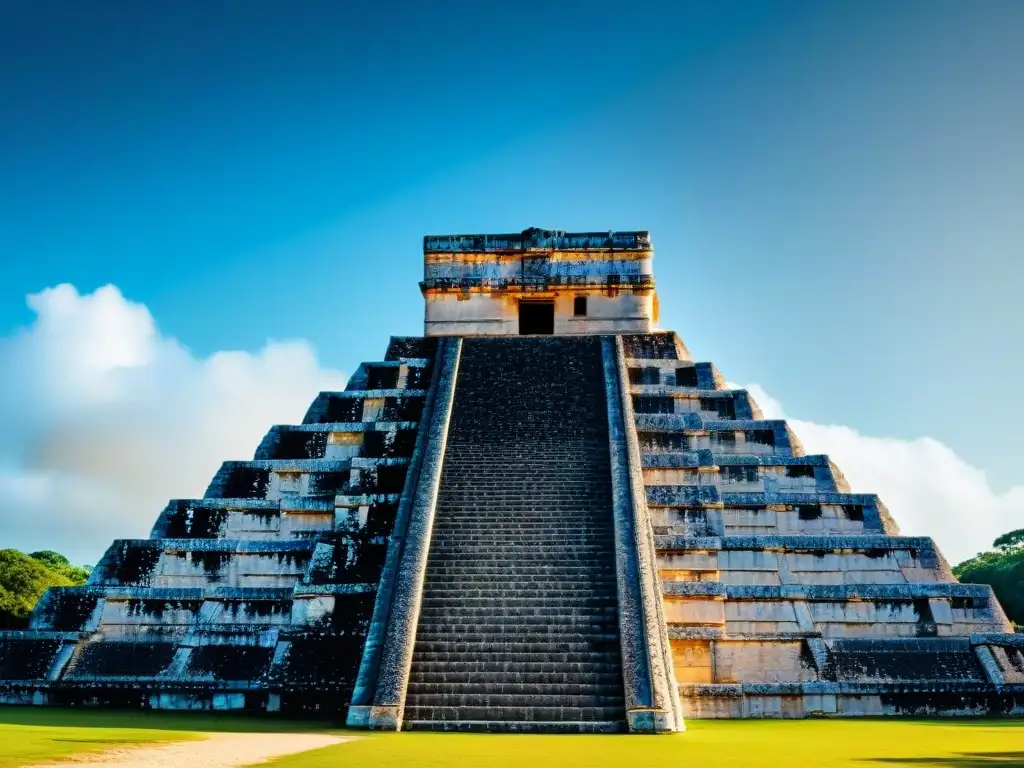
<point x="104" y="418"/>
<point x="929" y="490"/>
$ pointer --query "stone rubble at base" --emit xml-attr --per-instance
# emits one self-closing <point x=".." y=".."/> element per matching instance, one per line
<point x="590" y="532"/>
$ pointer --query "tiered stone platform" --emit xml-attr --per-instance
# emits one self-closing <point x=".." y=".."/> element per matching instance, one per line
<point x="584" y="532"/>
<point x="785" y="594"/>
<point x="564" y="534"/>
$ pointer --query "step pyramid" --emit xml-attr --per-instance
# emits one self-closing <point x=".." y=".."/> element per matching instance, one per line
<point x="576" y="530"/>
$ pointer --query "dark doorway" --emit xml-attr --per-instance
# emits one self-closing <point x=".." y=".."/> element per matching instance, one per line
<point x="536" y="317"/>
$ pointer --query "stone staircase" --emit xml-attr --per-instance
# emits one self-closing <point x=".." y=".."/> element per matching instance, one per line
<point x="518" y="628"/>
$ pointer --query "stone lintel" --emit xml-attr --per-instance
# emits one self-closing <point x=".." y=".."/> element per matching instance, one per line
<point x="536" y="239"/>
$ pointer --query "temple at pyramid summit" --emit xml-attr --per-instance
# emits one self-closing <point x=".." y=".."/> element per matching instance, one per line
<point x="541" y="515"/>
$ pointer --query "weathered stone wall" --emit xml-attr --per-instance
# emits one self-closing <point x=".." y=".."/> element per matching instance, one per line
<point x="497" y="314"/>
<point x="785" y="594"/>
<point x="473" y="285"/>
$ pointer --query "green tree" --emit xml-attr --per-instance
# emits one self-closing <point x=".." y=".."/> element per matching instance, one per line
<point x="1003" y="570"/>
<point x="23" y="580"/>
<point x="56" y="562"/>
<point x="1011" y="540"/>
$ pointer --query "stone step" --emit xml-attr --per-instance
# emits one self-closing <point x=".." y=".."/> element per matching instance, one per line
<point x="571" y="467"/>
<point x="526" y="499"/>
<point x="540" y="614"/>
<point x="492" y="614"/>
<point x="516" y="543"/>
<point x="469" y="668"/>
<point x="522" y="574"/>
<point x="526" y="562"/>
<point x="491" y="623"/>
<point x="508" y="700"/>
<point x="509" y="633"/>
<point x="512" y="529"/>
<point x="490" y="578"/>
<point x="524" y="569"/>
<point x="483" y="588"/>
<point x="528" y="649"/>
<point x="523" y="501"/>
<point x="477" y="621"/>
<point x="478" y="617"/>
<point x="501" y="550"/>
<point x="488" y="589"/>
<point x="525" y="559"/>
<point x="513" y="726"/>
<point x="493" y="568"/>
<point x="491" y="572"/>
<point x="496" y="633"/>
<point x="511" y="454"/>
<point x="513" y="685"/>
<point x="504" y="714"/>
<point x="527" y="519"/>
<point x="568" y="599"/>
<point x="559" y="510"/>
<point x="540" y="481"/>
<point x="524" y="511"/>
<point x="522" y="532"/>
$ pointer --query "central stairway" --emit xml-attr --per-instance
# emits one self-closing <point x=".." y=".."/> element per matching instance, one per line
<point x="518" y="629"/>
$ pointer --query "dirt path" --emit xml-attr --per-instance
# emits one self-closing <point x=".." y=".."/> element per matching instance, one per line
<point x="220" y="750"/>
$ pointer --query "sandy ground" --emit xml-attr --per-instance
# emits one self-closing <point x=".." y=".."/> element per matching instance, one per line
<point x="220" y="750"/>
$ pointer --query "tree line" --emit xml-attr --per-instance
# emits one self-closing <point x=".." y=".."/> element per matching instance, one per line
<point x="1002" y="568"/>
<point x="24" y="578"/>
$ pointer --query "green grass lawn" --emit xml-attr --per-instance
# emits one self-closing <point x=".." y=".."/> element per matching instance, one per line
<point x="33" y="735"/>
<point x="706" y="744"/>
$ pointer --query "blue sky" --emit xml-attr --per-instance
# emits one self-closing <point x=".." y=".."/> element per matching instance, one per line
<point x="835" y="189"/>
